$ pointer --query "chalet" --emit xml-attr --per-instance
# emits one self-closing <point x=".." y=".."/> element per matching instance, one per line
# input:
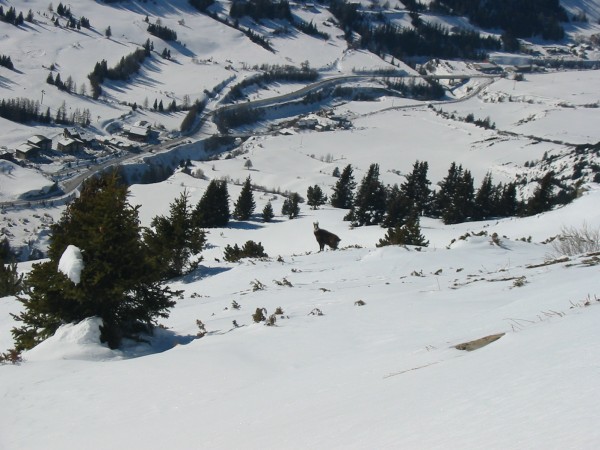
<point x="42" y="142"/>
<point x="70" y="142"/>
<point x="69" y="145"/>
<point x="137" y="133"/>
<point x="27" y="151"/>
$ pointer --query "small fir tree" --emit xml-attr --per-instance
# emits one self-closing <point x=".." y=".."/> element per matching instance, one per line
<point x="315" y="197"/>
<point x="407" y="234"/>
<point x="370" y="203"/>
<point x="267" y="212"/>
<point x="291" y="206"/>
<point x="343" y="191"/>
<point x="174" y="240"/>
<point x="118" y="282"/>
<point x="543" y="198"/>
<point x="245" y="205"/>
<point x="416" y="187"/>
<point x="213" y="208"/>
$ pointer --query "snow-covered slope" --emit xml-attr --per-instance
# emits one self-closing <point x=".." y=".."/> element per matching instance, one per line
<point x="380" y="375"/>
<point x="363" y="351"/>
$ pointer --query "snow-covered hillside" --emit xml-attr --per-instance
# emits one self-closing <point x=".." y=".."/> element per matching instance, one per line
<point x="383" y="374"/>
<point x="363" y="350"/>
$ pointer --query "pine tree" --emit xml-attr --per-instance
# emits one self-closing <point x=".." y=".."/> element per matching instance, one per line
<point x="407" y="234"/>
<point x="10" y="280"/>
<point x="508" y="205"/>
<point x="174" y="240"/>
<point x="315" y="197"/>
<point x="398" y="207"/>
<point x="108" y="32"/>
<point x="543" y="198"/>
<point x="267" y="213"/>
<point x="443" y="197"/>
<point x="370" y="203"/>
<point x="291" y="206"/>
<point x="416" y="187"/>
<point x="118" y="282"/>
<point x="343" y="191"/>
<point x="484" y="199"/>
<point x="245" y="205"/>
<point x="212" y="210"/>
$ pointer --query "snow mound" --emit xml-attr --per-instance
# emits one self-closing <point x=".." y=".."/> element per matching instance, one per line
<point x="71" y="263"/>
<point x="80" y="341"/>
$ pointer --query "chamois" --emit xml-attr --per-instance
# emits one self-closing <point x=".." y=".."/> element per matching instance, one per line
<point x="324" y="237"/>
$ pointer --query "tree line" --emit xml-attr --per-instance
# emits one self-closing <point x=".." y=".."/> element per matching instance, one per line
<point x="127" y="66"/>
<point x="401" y="42"/>
<point x="518" y="18"/>
<point x="456" y="199"/>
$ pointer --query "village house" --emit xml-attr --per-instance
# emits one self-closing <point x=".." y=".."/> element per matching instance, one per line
<point x="137" y="133"/>
<point x="27" y="151"/>
<point x="70" y="142"/>
<point x="42" y="142"/>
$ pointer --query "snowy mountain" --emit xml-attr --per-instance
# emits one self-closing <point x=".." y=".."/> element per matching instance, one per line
<point x="367" y="344"/>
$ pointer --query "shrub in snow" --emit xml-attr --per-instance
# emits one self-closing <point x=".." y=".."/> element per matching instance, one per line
<point x="201" y="329"/>
<point x="260" y="315"/>
<point x="250" y="249"/>
<point x="573" y="241"/>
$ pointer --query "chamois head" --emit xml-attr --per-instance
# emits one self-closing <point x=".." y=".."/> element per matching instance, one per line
<point x="316" y="225"/>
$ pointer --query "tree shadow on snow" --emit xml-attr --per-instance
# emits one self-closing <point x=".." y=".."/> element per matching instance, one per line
<point x="160" y="341"/>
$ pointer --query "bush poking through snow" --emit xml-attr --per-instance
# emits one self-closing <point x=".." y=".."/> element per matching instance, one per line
<point x="574" y="241"/>
<point x="271" y="320"/>
<point x="11" y="356"/>
<point x="250" y="250"/>
<point x="283" y="282"/>
<point x="359" y="303"/>
<point x="316" y="312"/>
<point x="201" y="329"/>
<point x="257" y="286"/>
<point x="260" y="315"/>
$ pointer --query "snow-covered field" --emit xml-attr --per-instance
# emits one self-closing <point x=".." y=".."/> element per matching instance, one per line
<point x="381" y="375"/>
<point x="332" y="373"/>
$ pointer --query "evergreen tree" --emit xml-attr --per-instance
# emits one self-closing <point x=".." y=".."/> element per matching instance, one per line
<point x="443" y="197"/>
<point x="455" y="200"/>
<point x="108" y="32"/>
<point x="543" y="198"/>
<point x="174" y="240"/>
<point x="398" y="207"/>
<point x="508" y="205"/>
<point x="343" y="191"/>
<point x="10" y="280"/>
<point x="370" y="203"/>
<point x="407" y="234"/>
<point x="416" y="187"/>
<point x="212" y="210"/>
<point x="291" y="206"/>
<point x="118" y="281"/>
<point x="484" y="200"/>
<point x="315" y="197"/>
<point x="245" y="205"/>
<point x="267" y="213"/>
